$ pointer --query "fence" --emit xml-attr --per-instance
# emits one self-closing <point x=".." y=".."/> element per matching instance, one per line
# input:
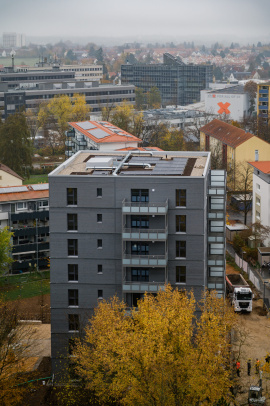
<point x="255" y="277"/>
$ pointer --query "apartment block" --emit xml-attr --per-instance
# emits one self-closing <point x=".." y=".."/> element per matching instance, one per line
<point x="178" y="83"/>
<point x="25" y="210"/>
<point x="263" y="108"/>
<point x="126" y="223"/>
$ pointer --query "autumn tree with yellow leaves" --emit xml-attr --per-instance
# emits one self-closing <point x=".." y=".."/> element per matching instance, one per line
<point x="53" y="116"/>
<point x="160" y="354"/>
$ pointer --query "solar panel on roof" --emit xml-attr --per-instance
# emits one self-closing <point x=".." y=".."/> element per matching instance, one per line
<point x="86" y="125"/>
<point x="13" y="189"/>
<point x="98" y="133"/>
<point x="41" y="186"/>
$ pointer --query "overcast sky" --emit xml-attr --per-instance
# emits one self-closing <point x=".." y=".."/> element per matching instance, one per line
<point x="244" y="20"/>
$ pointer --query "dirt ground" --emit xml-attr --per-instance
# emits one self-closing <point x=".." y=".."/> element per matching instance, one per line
<point x="252" y="340"/>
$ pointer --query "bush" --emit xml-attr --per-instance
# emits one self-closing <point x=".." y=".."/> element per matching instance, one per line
<point x="238" y="243"/>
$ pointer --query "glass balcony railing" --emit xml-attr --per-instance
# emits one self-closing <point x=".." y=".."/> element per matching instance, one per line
<point x="145" y="208"/>
<point x="144" y="260"/>
<point x="144" y="234"/>
<point x="263" y="91"/>
<point x="143" y="286"/>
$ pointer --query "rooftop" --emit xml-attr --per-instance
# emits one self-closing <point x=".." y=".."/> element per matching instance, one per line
<point x="226" y="133"/>
<point x="238" y="89"/>
<point x="263" y="166"/>
<point x="103" y="131"/>
<point x="135" y="163"/>
<point x="26" y="192"/>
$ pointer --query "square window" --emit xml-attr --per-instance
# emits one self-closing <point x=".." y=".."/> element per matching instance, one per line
<point x="72" y="272"/>
<point x="100" y="294"/>
<point x="21" y="206"/>
<point x="180" y="223"/>
<point x="180" y="274"/>
<point x="180" y="198"/>
<point x="99" y="218"/>
<point x="99" y="192"/>
<point x="99" y="243"/>
<point x="72" y="221"/>
<point x="73" y="322"/>
<point x="99" y="269"/>
<point x="72" y="196"/>
<point x="73" y="297"/>
<point x="180" y="249"/>
<point x="72" y="247"/>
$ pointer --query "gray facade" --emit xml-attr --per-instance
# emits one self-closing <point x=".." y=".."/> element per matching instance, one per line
<point x="177" y="82"/>
<point x="150" y="219"/>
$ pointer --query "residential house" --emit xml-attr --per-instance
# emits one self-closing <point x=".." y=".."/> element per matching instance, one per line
<point x="8" y="177"/>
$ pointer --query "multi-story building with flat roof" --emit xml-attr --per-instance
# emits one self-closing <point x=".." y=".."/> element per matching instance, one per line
<point x="263" y="106"/>
<point x="178" y="83"/>
<point x="25" y="210"/>
<point x="29" y="89"/>
<point x="13" y="40"/>
<point x="126" y="223"/>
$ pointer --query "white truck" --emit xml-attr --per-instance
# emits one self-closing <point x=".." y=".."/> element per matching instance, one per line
<point x="239" y="292"/>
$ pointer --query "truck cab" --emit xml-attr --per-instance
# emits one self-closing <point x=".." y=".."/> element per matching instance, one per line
<point x="242" y="299"/>
<point x="255" y="396"/>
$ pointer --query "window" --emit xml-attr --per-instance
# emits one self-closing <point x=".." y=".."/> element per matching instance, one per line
<point x="73" y="297"/>
<point x="43" y="203"/>
<point x="180" y="249"/>
<point x="139" y="222"/>
<point x="100" y="294"/>
<point x="73" y="247"/>
<point x="258" y="201"/>
<point x="180" y="223"/>
<point x="72" y="272"/>
<point x="140" y="275"/>
<point x="99" y="218"/>
<point x="180" y="198"/>
<point x="139" y="248"/>
<point x="72" y="196"/>
<point x="21" y="205"/>
<point x="99" y="243"/>
<point x="258" y="186"/>
<point x="73" y="322"/>
<point x="139" y="195"/>
<point x="258" y="215"/>
<point x="99" y="192"/>
<point x="180" y="276"/>
<point x="99" y="269"/>
<point x="72" y="221"/>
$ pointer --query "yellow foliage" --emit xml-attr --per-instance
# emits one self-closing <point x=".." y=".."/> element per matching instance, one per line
<point x="157" y="355"/>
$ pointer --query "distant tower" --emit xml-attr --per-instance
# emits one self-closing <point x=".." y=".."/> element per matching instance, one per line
<point x="12" y="54"/>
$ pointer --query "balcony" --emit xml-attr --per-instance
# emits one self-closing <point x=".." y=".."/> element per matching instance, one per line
<point x="80" y="143"/>
<point x="143" y="287"/>
<point x="144" y="260"/>
<point x="142" y="234"/>
<point x="4" y="216"/>
<point x="263" y="99"/>
<point x="145" y="208"/>
<point x="69" y="143"/>
<point x="41" y="214"/>
<point x="263" y="107"/>
<point x="25" y="264"/>
<point x="263" y="91"/>
<point x="29" y="230"/>
<point x="30" y="248"/>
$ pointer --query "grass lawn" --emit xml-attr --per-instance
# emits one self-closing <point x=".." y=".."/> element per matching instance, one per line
<point x="36" y="179"/>
<point x="18" y="60"/>
<point x="26" y="285"/>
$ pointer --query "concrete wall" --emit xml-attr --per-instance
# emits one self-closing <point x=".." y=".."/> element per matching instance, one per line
<point x="238" y="105"/>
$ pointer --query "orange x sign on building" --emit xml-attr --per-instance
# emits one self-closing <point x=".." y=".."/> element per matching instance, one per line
<point x="224" y="108"/>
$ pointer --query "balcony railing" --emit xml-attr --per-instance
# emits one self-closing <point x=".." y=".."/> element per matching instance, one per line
<point x="41" y="214"/>
<point x="263" y="91"/>
<point x="145" y="208"/>
<point x="144" y="234"/>
<point x="144" y="260"/>
<point x="263" y="99"/>
<point x="263" y="107"/>
<point x="30" y="247"/>
<point x="143" y="286"/>
<point x="29" y="230"/>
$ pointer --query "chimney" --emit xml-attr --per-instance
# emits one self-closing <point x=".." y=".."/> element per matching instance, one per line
<point x="256" y="155"/>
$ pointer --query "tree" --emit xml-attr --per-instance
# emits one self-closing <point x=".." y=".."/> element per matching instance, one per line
<point x="159" y="355"/>
<point x="125" y="117"/>
<point x="240" y="178"/>
<point x="14" y="346"/>
<point x="55" y="115"/>
<point x="140" y="98"/>
<point x="15" y="143"/>
<point x="251" y="89"/>
<point x="5" y="250"/>
<point x="154" y="98"/>
<point x="173" y="140"/>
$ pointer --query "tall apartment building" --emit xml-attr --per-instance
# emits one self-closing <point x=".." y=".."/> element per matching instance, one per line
<point x="25" y="210"/>
<point x="177" y="82"/>
<point x="13" y="40"/>
<point x="126" y="223"/>
<point x="263" y="107"/>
